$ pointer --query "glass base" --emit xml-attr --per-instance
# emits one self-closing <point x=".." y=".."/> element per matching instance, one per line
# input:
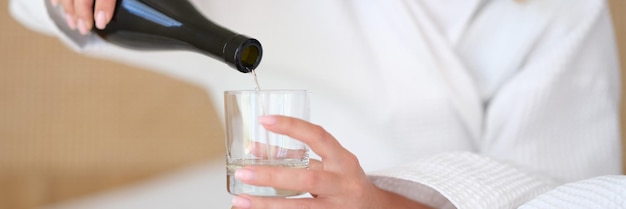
<point x="237" y="187"/>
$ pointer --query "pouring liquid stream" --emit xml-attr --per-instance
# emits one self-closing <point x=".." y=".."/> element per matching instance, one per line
<point x="268" y="147"/>
<point x="256" y="81"/>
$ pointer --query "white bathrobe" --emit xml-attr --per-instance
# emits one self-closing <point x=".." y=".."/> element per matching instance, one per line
<point x="457" y="103"/>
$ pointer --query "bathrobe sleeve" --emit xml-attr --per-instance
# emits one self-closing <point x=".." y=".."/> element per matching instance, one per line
<point x="602" y="192"/>
<point x="462" y="180"/>
<point x="468" y="180"/>
<point x="40" y="16"/>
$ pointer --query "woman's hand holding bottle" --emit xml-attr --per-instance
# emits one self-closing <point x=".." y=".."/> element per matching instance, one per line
<point x="81" y="14"/>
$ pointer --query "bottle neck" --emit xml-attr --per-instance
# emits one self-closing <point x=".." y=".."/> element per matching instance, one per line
<point x="243" y="53"/>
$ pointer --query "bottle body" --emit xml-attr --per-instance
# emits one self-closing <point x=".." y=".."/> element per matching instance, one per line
<point x="170" y="25"/>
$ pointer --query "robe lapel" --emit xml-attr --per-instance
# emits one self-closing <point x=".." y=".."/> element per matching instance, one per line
<point x="460" y="85"/>
<point x="419" y="67"/>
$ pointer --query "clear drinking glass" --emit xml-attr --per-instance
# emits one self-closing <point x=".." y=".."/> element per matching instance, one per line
<point x="248" y="143"/>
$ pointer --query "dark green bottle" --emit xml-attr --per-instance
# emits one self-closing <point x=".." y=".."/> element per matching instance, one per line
<point x="176" y="24"/>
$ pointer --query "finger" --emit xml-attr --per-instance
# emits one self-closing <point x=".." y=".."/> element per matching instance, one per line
<point x="84" y="15"/>
<point x="68" y="8"/>
<point x="103" y="12"/>
<point x="320" y="141"/>
<point x="315" y="165"/>
<point x="305" y="180"/>
<point x="54" y="2"/>
<point x="251" y="202"/>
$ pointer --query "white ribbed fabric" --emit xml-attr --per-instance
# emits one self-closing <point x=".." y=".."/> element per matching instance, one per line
<point x="466" y="180"/>
<point x="603" y="192"/>
<point x="564" y="100"/>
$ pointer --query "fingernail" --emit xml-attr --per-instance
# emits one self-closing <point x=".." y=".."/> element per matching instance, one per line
<point x="101" y="20"/>
<point x="241" y="203"/>
<point x="54" y="2"/>
<point x="69" y="19"/>
<point x="244" y="174"/>
<point x="267" y="120"/>
<point x="82" y="27"/>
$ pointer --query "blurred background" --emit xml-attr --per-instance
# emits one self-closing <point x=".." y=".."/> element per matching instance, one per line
<point x="71" y="125"/>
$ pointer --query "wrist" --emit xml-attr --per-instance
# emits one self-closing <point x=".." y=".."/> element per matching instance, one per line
<point x="397" y="201"/>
